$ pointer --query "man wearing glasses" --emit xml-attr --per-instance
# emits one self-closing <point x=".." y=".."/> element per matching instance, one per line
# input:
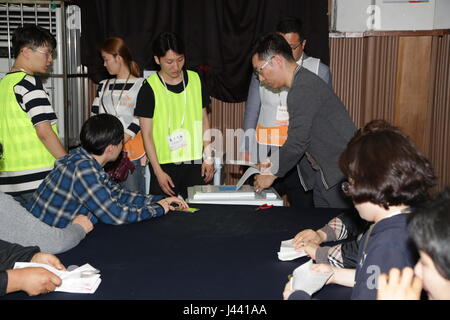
<point x="266" y="111"/>
<point x="27" y="120"/>
<point x="319" y="125"/>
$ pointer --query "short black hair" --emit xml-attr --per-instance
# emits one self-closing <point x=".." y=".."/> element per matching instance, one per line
<point x="290" y="24"/>
<point x="166" y="41"/>
<point x="429" y="228"/>
<point x="270" y="45"/>
<point x="31" y="36"/>
<point x="100" y="131"/>
<point x="384" y="167"/>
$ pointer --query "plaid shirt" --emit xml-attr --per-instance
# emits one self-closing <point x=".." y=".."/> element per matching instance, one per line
<point x="79" y="185"/>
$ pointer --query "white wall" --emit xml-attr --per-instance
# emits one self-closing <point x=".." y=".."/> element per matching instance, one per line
<point x="355" y="15"/>
<point x="442" y="14"/>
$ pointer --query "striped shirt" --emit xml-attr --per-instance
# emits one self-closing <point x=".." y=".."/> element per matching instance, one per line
<point x="118" y="97"/>
<point x="79" y="185"/>
<point x="34" y="100"/>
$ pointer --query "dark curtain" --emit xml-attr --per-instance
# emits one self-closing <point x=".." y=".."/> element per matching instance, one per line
<point x="218" y="34"/>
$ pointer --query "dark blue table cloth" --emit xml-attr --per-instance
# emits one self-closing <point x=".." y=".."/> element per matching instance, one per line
<point x="222" y="252"/>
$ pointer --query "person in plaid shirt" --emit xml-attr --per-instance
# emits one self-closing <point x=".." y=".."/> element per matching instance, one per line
<point x="78" y="184"/>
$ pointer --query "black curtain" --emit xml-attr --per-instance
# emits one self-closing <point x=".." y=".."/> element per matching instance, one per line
<point x="218" y="34"/>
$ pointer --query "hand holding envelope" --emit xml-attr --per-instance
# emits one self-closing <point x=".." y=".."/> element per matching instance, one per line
<point x="84" y="279"/>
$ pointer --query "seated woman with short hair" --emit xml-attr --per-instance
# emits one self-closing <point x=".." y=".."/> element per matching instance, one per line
<point x="386" y="176"/>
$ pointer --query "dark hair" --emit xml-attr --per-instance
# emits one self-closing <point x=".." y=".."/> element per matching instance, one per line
<point x="272" y="44"/>
<point x="31" y="36"/>
<point x="384" y="167"/>
<point x="166" y="41"/>
<point x="116" y="46"/>
<point x="100" y="131"/>
<point x="429" y="228"/>
<point x="1" y="150"/>
<point x="290" y="25"/>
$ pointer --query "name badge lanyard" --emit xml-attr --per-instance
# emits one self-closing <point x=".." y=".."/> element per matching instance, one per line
<point x="295" y="72"/>
<point x="184" y="113"/>
<point x="114" y="107"/>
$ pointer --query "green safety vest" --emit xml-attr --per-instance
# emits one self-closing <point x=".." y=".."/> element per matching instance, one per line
<point x="170" y="110"/>
<point x="22" y="148"/>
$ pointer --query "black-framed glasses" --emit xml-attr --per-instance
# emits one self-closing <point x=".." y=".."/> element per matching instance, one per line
<point x="258" y="71"/>
<point x="296" y="46"/>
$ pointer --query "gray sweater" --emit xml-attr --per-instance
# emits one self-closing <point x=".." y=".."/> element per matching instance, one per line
<point x="319" y="124"/>
<point x="19" y="226"/>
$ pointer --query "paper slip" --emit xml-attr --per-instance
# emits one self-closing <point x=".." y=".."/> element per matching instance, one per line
<point x="309" y="281"/>
<point x="79" y="280"/>
<point x="249" y="172"/>
<point x="287" y="251"/>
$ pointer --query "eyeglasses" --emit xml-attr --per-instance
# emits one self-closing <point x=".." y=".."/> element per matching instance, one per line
<point x="296" y="46"/>
<point x="345" y="187"/>
<point x="48" y="54"/>
<point x="258" y="71"/>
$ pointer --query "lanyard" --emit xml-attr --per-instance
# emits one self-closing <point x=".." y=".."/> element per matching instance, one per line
<point x="112" y="91"/>
<point x="299" y="65"/>
<point x="120" y="96"/>
<point x="167" y="94"/>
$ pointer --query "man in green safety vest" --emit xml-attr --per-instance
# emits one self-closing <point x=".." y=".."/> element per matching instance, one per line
<point x="27" y="120"/>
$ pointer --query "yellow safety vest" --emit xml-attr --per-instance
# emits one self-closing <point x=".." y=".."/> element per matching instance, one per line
<point x="22" y="148"/>
<point x="176" y="112"/>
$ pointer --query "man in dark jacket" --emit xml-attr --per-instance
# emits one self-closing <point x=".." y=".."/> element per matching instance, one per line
<point x="319" y="125"/>
<point x="33" y="281"/>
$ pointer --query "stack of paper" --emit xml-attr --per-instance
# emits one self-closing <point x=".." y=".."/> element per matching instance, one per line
<point x="209" y="192"/>
<point x="84" y="279"/>
<point x="309" y="281"/>
<point x="287" y="251"/>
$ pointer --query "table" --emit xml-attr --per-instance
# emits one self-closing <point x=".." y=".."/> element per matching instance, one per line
<point x="222" y="252"/>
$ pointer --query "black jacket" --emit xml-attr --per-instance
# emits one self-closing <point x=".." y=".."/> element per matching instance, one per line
<point x="10" y="254"/>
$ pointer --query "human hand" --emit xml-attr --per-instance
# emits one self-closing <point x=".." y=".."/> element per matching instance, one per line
<point x="167" y="204"/>
<point x="48" y="258"/>
<point x="84" y="222"/>
<point x="324" y="268"/>
<point x="33" y="281"/>
<point x="207" y="171"/>
<point x="263" y="181"/>
<point x="165" y="182"/>
<point x="399" y="286"/>
<point x="308" y="236"/>
<point x="264" y="166"/>
<point x="310" y="248"/>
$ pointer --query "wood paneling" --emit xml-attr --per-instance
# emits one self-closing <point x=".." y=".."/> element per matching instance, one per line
<point x="403" y="78"/>
<point x="412" y="107"/>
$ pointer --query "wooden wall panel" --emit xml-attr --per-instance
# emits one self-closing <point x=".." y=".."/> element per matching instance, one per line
<point x="228" y="116"/>
<point x="412" y="108"/>
<point x="403" y="78"/>
<point x="439" y="126"/>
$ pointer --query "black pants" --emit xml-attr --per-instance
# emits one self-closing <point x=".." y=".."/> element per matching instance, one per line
<point x="291" y="186"/>
<point x="182" y="175"/>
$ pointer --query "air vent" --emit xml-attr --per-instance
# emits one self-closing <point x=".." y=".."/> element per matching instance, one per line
<point x="15" y="15"/>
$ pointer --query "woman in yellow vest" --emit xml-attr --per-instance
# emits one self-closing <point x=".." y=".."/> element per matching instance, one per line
<point x="117" y="96"/>
<point x="171" y="107"/>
